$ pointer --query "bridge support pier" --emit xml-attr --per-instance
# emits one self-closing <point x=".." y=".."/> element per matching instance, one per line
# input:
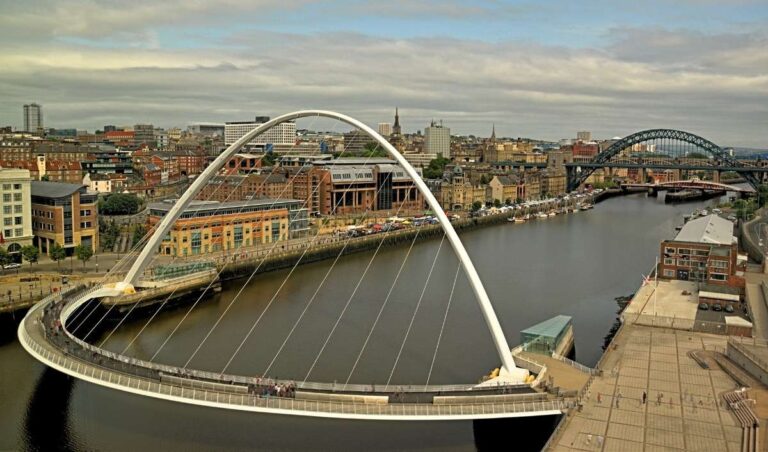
<point x="716" y="176"/>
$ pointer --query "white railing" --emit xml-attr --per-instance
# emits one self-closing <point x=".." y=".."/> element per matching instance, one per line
<point x="291" y="404"/>
<point x="576" y="365"/>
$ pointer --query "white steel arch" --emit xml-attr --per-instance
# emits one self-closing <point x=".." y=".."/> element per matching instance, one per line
<point x="509" y="370"/>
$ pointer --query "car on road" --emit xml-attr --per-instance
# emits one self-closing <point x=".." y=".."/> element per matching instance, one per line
<point x="11" y="265"/>
<point x="704" y="306"/>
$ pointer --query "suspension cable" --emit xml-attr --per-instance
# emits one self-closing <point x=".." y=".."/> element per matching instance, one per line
<point x="202" y="294"/>
<point x="381" y="308"/>
<point x="322" y="282"/>
<point x="416" y="310"/>
<point x="298" y="261"/>
<point x="242" y="287"/>
<point x="162" y="305"/>
<point x="442" y="327"/>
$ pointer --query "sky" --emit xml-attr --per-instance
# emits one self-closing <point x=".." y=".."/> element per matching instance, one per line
<point x="542" y="69"/>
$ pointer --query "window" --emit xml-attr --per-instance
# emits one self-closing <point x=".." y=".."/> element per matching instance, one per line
<point x="669" y="261"/>
<point x="17" y="186"/>
<point x="85" y="224"/>
<point x="669" y="273"/>
<point x="17" y="196"/>
<point x="85" y="213"/>
<point x="717" y="277"/>
<point x="684" y="250"/>
<point x="6" y="197"/>
<point x="17" y="221"/>
<point x="8" y="233"/>
<point x="6" y="210"/>
<point x="17" y="208"/>
<point x="19" y="232"/>
<point x="719" y="264"/>
<point x="7" y="221"/>
<point x="6" y="186"/>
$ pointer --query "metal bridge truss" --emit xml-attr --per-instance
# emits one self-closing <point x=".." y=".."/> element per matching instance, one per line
<point x="579" y="173"/>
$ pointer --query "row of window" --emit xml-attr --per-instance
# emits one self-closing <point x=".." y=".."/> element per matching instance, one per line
<point x="9" y="186"/>
<point x="686" y="251"/>
<point x="700" y="264"/>
<point x="17" y="208"/>
<point x="233" y="223"/>
<point x="8" y="233"/>
<point x="42" y="226"/>
<point x="42" y="213"/>
<point x="8" y="221"/>
<point x="699" y="276"/>
<point x="7" y="197"/>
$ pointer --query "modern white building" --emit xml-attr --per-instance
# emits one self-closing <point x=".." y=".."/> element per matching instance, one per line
<point x="161" y="138"/>
<point x="281" y="134"/>
<point x="15" y="209"/>
<point x="385" y="129"/>
<point x="584" y="135"/>
<point x="207" y="129"/>
<point x="33" y="117"/>
<point x="437" y="139"/>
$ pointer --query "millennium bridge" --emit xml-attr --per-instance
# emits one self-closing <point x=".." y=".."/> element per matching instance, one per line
<point x="521" y="387"/>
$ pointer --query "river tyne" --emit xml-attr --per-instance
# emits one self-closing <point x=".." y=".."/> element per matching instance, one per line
<point x="574" y="264"/>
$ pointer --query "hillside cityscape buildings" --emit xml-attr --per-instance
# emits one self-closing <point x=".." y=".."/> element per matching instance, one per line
<point x="307" y="173"/>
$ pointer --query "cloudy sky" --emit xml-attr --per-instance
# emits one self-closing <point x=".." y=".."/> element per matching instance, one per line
<point x="541" y="69"/>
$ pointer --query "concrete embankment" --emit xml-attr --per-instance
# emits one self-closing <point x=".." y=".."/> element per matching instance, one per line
<point x="278" y="259"/>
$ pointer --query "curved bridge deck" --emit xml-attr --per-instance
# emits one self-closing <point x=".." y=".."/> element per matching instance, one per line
<point x="43" y="334"/>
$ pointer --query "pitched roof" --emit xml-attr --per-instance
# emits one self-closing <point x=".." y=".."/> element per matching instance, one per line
<point x="710" y="229"/>
<point x="53" y="189"/>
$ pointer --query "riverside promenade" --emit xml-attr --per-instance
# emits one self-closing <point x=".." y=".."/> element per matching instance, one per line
<point x="684" y="407"/>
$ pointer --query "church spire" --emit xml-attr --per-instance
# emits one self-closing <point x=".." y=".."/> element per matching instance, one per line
<point x="396" y="126"/>
<point x="493" y="132"/>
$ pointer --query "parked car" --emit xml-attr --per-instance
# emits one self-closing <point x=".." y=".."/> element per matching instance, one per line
<point x="12" y="265"/>
<point x="729" y="308"/>
<point x="703" y="306"/>
<point x="717" y="307"/>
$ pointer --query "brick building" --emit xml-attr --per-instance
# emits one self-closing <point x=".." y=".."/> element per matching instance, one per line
<point x="66" y="214"/>
<point x="705" y="250"/>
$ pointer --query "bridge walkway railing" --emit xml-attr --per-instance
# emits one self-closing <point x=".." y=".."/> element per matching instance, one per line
<point x="150" y="386"/>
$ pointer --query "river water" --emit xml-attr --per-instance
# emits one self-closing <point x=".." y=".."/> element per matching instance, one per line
<point x="574" y="265"/>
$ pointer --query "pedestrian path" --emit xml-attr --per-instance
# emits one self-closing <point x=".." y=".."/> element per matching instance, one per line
<point x="683" y="409"/>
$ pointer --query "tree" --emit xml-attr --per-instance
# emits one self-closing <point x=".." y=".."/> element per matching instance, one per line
<point x="372" y="149"/>
<point x="268" y="159"/>
<point x="138" y="233"/>
<point x="45" y="178"/>
<point x="5" y="257"/>
<point x="120" y="204"/>
<point x="762" y="195"/>
<point x="57" y="253"/>
<point x="83" y="253"/>
<point x="496" y="203"/>
<point x="436" y="168"/>
<point x="508" y="202"/>
<point x="30" y="253"/>
<point x="476" y="206"/>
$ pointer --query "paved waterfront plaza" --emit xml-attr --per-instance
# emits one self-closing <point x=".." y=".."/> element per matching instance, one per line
<point x="683" y="409"/>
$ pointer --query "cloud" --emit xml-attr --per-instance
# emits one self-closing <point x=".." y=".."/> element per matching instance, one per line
<point x="713" y="85"/>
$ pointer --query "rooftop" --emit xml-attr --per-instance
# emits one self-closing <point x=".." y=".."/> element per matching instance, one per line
<point x="551" y="327"/>
<point x="53" y="189"/>
<point x="709" y="229"/>
<point x="199" y="206"/>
